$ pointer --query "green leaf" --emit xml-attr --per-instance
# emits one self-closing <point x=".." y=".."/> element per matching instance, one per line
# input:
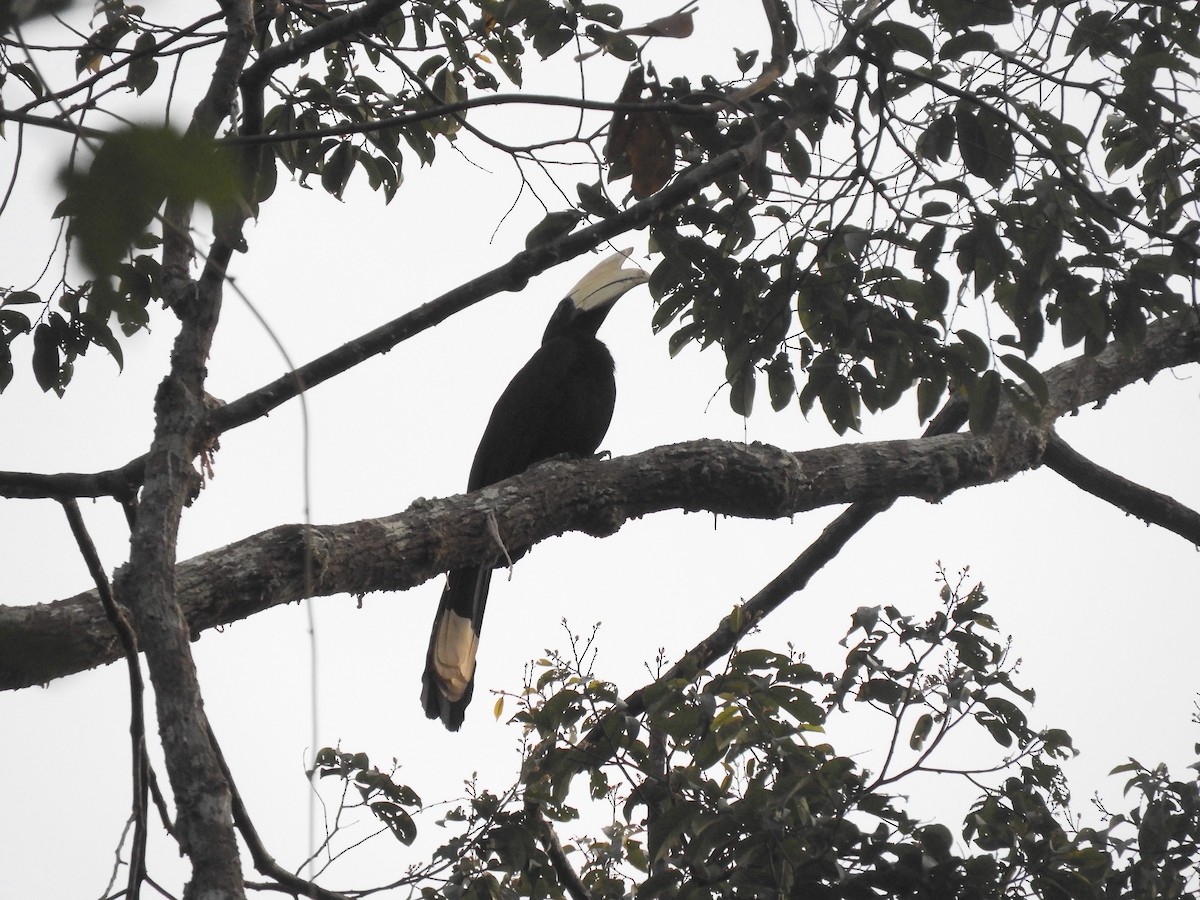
<point x="16" y="298"/>
<point x="454" y="44"/>
<point x="27" y="76"/>
<point x="996" y="728"/>
<point x="937" y="141"/>
<point x="745" y="59"/>
<point x="972" y="141"/>
<point x="687" y="333"/>
<point x="929" y="248"/>
<point x="553" y="227"/>
<point x="99" y="333"/>
<point x="1057" y="741"/>
<point x="796" y="160"/>
<point x="956" y="15"/>
<point x="14" y="322"/>
<point x="781" y="381"/>
<point x="978" y="354"/>
<point x="549" y="40"/>
<point x="907" y="37"/>
<point x="968" y="42"/>
<point x="46" y="359"/>
<point x="881" y="690"/>
<point x="982" y="253"/>
<point x="840" y="403"/>
<point x="920" y="732"/>
<point x="800" y="705"/>
<point x="418" y="138"/>
<point x="1028" y="373"/>
<point x="143" y="67"/>
<point x="604" y="13"/>
<point x="133" y="172"/>
<point x="398" y="821"/>
<point x="449" y="90"/>
<point x="666" y="829"/>
<point x="929" y="397"/>
<point x="338" y="167"/>
<point x="937" y="840"/>
<point x="741" y="390"/>
<point x="668" y="309"/>
<point x="984" y="402"/>
<point x="594" y="201"/>
<point x="430" y="65"/>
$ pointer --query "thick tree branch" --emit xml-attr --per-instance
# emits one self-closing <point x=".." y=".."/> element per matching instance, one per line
<point x="148" y="585"/>
<point x="49" y="641"/>
<point x="1149" y="506"/>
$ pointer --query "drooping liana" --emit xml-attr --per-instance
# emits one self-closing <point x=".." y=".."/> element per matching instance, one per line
<point x="560" y="402"/>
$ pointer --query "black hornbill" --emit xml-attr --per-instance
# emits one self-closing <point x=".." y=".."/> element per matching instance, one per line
<point x="559" y="403"/>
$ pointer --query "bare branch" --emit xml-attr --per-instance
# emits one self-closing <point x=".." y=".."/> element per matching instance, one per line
<point x="54" y="124"/>
<point x="1148" y="505"/>
<point x="330" y="31"/>
<point x="121" y="484"/>
<point x="137" y="720"/>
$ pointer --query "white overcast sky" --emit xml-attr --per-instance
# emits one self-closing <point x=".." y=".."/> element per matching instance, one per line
<point x="1102" y="609"/>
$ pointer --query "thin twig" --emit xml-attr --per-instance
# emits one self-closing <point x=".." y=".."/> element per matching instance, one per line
<point x="140" y="762"/>
<point x="263" y="861"/>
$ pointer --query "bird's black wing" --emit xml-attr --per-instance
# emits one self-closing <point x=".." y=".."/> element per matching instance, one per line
<point x="560" y="402"/>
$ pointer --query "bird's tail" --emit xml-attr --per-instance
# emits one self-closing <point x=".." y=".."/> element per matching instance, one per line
<point x="449" y="679"/>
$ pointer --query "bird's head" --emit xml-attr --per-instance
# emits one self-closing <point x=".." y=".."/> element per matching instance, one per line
<point x="585" y="306"/>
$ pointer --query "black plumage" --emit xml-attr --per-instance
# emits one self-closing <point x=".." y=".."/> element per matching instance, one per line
<point x="560" y="402"/>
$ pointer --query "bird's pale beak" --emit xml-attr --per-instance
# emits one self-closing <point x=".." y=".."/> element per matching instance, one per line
<point x="606" y="282"/>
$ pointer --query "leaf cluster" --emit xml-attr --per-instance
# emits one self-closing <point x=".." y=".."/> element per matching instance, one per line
<point x="377" y="790"/>
<point x="916" y="214"/>
<point x="828" y="276"/>
<point x="727" y="786"/>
